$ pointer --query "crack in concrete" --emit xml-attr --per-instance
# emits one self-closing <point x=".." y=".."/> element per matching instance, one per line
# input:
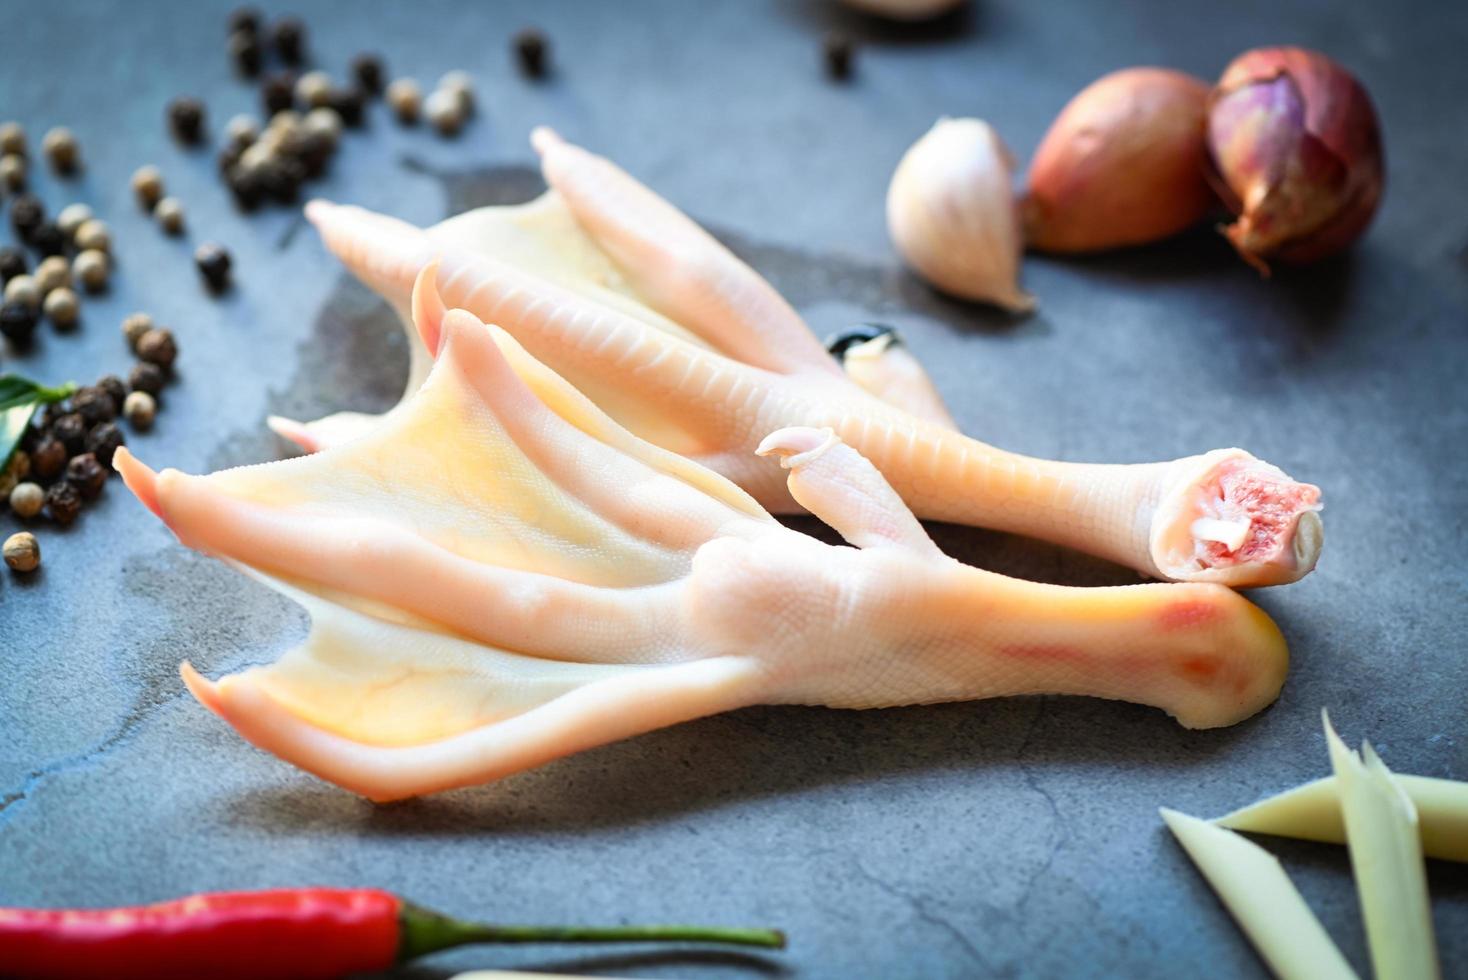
<point x="133" y="720"/>
<point x="919" y="906"/>
<point x="1060" y="828"/>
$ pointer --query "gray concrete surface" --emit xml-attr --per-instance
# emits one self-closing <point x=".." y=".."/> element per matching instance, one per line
<point x="1011" y="838"/>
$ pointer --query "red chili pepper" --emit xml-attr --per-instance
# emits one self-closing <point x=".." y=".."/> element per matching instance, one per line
<point x="292" y="934"/>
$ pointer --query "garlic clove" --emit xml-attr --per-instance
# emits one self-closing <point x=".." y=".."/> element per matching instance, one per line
<point x="952" y="215"/>
<point x="1123" y="164"/>
<point x="1295" y="151"/>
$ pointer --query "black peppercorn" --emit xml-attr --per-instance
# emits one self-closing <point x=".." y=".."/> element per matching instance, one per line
<point x="186" y="119"/>
<point x="367" y="69"/>
<point x="103" y="442"/>
<point x="71" y="430"/>
<point x="12" y="263"/>
<point x="26" y="215"/>
<point x="350" y="104"/>
<point x="146" y="377"/>
<point x="48" y="457"/>
<point x="157" y="346"/>
<point x="214" y="264"/>
<point x="245" y="186"/>
<point x="63" y="502"/>
<point x="839" y="52"/>
<point x="228" y="157"/>
<point x="283" y="178"/>
<point x="113" y="386"/>
<point x="86" y="474"/>
<point x="94" y="405"/>
<point x="278" y="92"/>
<point x="246" y="53"/>
<point x="47" y="239"/>
<point x="531" y="50"/>
<point x="289" y="36"/>
<point x="18" y="322"/>
<point x="244" y="19"/>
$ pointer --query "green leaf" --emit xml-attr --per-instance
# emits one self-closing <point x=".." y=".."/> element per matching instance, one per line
<point x="19" y="399"/>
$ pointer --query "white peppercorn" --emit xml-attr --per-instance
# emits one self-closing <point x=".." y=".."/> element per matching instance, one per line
<point x="22" y="289"/>
<point x="242" y="130"/>
<point x="12" y="139"/>
<point x="27" y="499"/>
<point x="22" y="552"/>
<point x="52" y="273"/>
<point x="405" y="99"/>
<point x="93" y="234"/>
<point x="134" y="326"/>
<point x="62" y="307"/>
<point x="444" y="111"/>
<point x="323" y="122"/>
<point x="461" y="84"/>
<point x="12" y="171"/>
<point x="139" y="408"/>
<point x="91" y="268"/>
<point x="61" y="149"/>
<point x="313" y="89"/>
<point x="147" y="183"/>
<point x="170" y="215"/>
<point x="72" y="217"/>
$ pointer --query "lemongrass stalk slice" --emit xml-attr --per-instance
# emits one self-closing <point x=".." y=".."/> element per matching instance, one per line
<point x="1386" y="857"/>
<point x="1313" y="812"/>
<point x="1260" y="896"/>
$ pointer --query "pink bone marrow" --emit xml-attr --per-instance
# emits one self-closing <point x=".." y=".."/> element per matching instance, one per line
<point x="1269" y="500"/>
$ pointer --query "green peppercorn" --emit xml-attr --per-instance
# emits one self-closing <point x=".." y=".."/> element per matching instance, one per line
<point x="63" y="502"/>
<point x="22" y="552"/>
<point x="62" y="150"/>
<point x="22" y="289"/>
<point x="17" y="322"/>
<point x="214" y="265"/>
<point x="94" y="405"/>
<point x="52" y="273"/>
<point x="147" y="184"/>
<point x="94" y="234"/>
<point x="139" y="409"/>
<point x="405" y="99"/>
<point x="12" y="263"/>
<point x="157" y="346"/>
<point x="48" y="457"/>
<point x="12" y="171"/>
<point x="186" y="119"/>
<point x="103" y="441"/>
<point x="134" y="326"/>
<point x="86" y="474"/>
<point x="146" y="377"/>
<point x="170" y="215"/>
<point x="27" y="499"/>
<point x="12" y="139"/>
<point x="62" y="308"/>
<point x="91" y="269"/>
<point x="72" y="217"/>
<point x="113" y="386"/>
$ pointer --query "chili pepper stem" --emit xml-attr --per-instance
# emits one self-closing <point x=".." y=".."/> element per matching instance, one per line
<point x="423" y="931"/>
